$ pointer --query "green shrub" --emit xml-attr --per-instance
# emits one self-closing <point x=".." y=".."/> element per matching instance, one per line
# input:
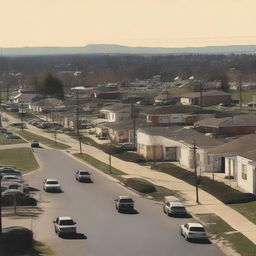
<point x="220" y="190"/>
<point x="140" y="185"/>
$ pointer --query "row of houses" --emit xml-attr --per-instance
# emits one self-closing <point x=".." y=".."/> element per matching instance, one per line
<point x="236" y="159"/>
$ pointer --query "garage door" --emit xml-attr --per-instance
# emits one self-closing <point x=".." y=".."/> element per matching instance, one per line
<point x="171" y="153"/>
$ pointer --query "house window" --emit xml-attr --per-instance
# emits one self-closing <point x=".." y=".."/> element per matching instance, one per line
<point x="209" y="160"/>
<point x="244" y="172"/>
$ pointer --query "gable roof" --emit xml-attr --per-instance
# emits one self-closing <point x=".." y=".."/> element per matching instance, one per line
<point x="118" y="107"/>
<point x="239" y="120"/>
<point x="205" y="93"/>
<point x="172" y="109"/>
<point x="125" y="124"/>
<point x="251" y="155"/>
<point x="177" y="133"/>
<point x="244" y="143"/>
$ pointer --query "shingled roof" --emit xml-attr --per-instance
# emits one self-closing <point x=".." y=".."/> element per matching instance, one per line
<point x="189" y="136"/>
<point x="239" y="120"/>
<point x="243" y="144"/>
<point x="205" y="93"/>
<point x="172" y="109"/>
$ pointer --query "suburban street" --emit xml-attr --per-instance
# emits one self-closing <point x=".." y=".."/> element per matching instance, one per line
<point x="102" y="230"/>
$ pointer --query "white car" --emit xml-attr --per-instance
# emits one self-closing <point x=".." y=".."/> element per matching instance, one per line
<point x="64" y="225"/>
<point x="174" y="208"/>
<point x="83" y="176"/>
<point x="51" y="185"/>
<point x="193" y="231"/>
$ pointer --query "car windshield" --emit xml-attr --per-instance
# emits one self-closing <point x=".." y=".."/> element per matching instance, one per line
<point x="126" y="200"/>
<point x="197" y="229"/>
<point x="84" y="173"/>
<point x="10" y="178"/>
<point x="52" y="182"/>
<point x="67" y="222"/>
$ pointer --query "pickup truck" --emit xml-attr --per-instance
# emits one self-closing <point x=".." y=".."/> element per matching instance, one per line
<point x="124" y="203"/>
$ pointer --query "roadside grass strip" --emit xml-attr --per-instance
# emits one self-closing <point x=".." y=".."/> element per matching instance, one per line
<point x="22" y="158"/>
<point x="50" y="143"/>
<point x="246" y="209"/>
<point x="220" y="230"/>
<point x="4" y="141"/>
<point x="99" y="165"/>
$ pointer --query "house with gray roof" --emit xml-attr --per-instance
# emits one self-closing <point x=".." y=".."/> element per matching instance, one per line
<point x="116" y="112"/>
<point x="177" y="114"/>
<point x="230" y="126"/>
<point x="208" y="98"/>
<point x="223" y="158"/>
<point x="175" y="143"/>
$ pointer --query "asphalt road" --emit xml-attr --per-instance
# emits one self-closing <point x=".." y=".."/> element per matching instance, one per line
<point x="104" y="231"/>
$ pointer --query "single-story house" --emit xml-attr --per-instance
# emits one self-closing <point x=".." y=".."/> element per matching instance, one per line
<point x="175" y="144"/>
<point x="116" y="112"/>
<point x="177" y="114"/>
<point x="223" y="158"/>
<point x="235" y="125"/>
<point x="208" y="98"/>
<point x="123" y="131"/>
<point x="24" y="97"/>
<point x="246" y="171"/>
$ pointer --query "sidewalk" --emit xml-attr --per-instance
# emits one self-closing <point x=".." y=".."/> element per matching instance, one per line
<point x="208" y="203"/>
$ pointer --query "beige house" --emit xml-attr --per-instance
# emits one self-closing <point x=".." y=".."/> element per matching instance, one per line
<point x="116" y="112"/>
<point x="175" y="144"/>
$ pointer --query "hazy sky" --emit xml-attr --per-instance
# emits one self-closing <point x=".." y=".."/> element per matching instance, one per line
<point x="169" y="23"/>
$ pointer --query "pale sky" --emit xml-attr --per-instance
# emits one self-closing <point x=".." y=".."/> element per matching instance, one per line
<point x="166" y="23"/>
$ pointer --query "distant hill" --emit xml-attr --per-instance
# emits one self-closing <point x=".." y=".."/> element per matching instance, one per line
<point x="120" y="49"/>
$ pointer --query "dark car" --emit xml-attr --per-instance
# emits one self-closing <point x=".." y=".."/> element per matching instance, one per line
<point x="35" y="144"/>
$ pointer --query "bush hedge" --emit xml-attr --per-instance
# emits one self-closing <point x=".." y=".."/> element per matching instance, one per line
<point x="220" y="190"/>
<point x="16" y="240"/>
<point x="140" y="185"/>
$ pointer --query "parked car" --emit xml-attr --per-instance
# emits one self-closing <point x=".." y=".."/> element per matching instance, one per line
<point x="124" y="203"/>
<point x="193" y="231"/>
<point x="9" y="171"/>
<point x="51" y="185"/>
<point x="11" y="178"/>
<point x="64" y="225"/>
<point x="17" y="124"/>
<point x="83" y="176"/>
<point x="12" y="136"/>
<point x="174" y="208"/>
<point x="3" y="130"/>
<point x="35" y="144"/>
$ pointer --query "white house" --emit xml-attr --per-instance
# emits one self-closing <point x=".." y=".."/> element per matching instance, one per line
<point x="246" y="171"/>
<point x="116" y="112"/>
<point x="175" y="144"/>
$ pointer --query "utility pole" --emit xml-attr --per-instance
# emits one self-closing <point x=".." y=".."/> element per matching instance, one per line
<point x="240" y="90"/>
<point x="1" y="227"/>
<point x="55" y="135"/>
<point x="7" y="92"/>
<point x="22" y="116"/>
<point x="201" y="97"/>
<point x="134" y="125"/>
<point x="195" y="166"/>
<point x="77" y="124"/>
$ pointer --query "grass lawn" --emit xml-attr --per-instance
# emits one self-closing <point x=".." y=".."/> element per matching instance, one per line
<point x="22" y="158"/>
<point x="4" y="141"/>
<point x="50" y="143"/>
<point x="99" y="165"/>
<point x="246" y="209"/>
<point x="218" y="227"/>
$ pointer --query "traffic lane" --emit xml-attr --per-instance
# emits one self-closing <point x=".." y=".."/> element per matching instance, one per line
<point x="92" y="205"/>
